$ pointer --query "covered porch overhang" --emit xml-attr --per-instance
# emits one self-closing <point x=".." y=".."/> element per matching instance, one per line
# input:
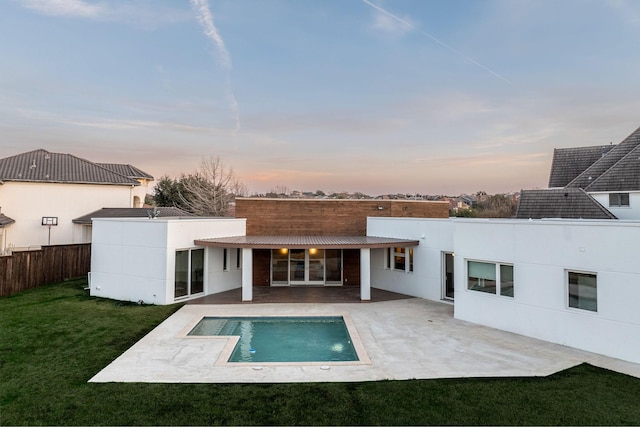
<point x="363" y="243"/>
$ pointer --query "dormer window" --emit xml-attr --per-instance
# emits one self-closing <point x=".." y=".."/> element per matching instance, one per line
<point x="618" y="199"/>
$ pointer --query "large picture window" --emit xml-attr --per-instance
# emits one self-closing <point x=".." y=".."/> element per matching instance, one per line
<point x="491" y="278"/>
<point x="583" y="290"/>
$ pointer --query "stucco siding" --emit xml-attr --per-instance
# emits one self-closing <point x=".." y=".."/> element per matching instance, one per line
<point x="541" y="252"/>
<point x="622" y="212"/>
<point x="134" y="259"/>
<point x="28" y="202"/>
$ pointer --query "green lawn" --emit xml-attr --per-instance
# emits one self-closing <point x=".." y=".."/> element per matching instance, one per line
<point x="53" y="339"/>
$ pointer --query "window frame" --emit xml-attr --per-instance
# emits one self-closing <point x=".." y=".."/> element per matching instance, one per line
<point x="497" y="267"/>
<point x="617" y="200"/>
<point x="568" y="285"/>
<point x="190" y="272"/>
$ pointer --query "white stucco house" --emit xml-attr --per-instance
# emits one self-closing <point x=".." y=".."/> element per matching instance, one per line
<point x="572" y="281"/>
<point x="42" y="192"/>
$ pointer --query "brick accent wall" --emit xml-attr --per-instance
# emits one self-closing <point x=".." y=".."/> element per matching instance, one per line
<point x="327" y="217"/>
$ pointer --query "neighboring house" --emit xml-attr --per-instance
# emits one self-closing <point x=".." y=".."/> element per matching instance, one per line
<point x="132" y="172"/>
<point x="44" y="191"/>
<point x="601" y="182"/>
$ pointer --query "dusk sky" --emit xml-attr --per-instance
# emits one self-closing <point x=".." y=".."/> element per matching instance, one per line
<point x="393" y="96"/>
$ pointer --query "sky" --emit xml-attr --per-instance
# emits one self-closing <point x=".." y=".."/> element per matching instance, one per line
<point x="376" y="96"/>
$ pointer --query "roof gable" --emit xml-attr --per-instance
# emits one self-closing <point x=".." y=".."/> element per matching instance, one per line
<point x="573" y="203"/>
<point x="618" y="153"/>
<point x="44" y="166"/>
<point x="623" y="176"/>
<point x="568" y="163"/>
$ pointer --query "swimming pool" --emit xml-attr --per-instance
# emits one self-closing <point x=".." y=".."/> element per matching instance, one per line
<point x="283" y="339"/>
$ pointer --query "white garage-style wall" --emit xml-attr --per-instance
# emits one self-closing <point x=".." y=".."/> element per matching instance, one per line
<point x="133" y="259"/>
<point x="542" y="254"/>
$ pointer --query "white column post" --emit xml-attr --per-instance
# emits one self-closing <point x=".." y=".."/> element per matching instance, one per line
<point x="247" y="274"/>
<point x="365" y="274"/>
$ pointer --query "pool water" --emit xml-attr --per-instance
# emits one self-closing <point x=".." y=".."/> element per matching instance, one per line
<point x="283" y="339"/>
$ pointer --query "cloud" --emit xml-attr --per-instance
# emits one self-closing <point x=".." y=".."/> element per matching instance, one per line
<point x="205" y="18"/>
<point x="390" y="16"/>
<point x="389" y="25"/>
<point x="136" y="12"/>
<point x="629" y="11"/>
<point x="77" y="8"/>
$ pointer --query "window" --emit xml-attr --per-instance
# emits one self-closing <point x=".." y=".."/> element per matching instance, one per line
<point x="387" y="258"/>
<point x="225" y="262"/>
<point x="399" y="259"/>
<point x="618" y="199"/>
<point x="490" y="278"/>
<point x="238" y="258"/>
<point x="583" y="291"/>
<point x="411" y="260"/>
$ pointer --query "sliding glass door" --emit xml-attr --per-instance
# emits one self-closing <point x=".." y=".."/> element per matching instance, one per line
<point x="306" y="266"/>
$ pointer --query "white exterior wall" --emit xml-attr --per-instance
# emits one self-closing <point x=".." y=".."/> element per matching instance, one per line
<point x="622" y="212"/>
<point x="435" y="236"/>
<point x="134" y="259"/>
<point x="28" y="202"/>
<point x="541" y="252"/>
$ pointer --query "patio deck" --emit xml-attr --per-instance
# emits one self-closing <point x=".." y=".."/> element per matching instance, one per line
<point x="403" y="339"/>
<point x="299" y="294"/>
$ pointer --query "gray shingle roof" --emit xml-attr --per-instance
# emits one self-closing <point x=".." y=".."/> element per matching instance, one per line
<point x="616" y="156"/>
<point x="572" y="203"/>
<point x="163" y="212"/>
<point x="44" y="166"/>
<point x="623" y="176"/>
<point x="568" y="163"/>
<point x="126" y="170"/>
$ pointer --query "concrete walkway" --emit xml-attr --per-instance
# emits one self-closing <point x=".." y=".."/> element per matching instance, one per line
<point x="403" y="339"/>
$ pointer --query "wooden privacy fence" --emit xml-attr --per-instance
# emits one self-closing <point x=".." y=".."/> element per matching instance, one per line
<point x="29" y="269"/>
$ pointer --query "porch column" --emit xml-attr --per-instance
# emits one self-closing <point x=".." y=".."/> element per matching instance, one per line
<point x="365" y="274"/>
<point x="247" y="274"/>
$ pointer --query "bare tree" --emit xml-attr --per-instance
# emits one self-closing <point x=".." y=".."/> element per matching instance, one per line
<point x="211" y="190"/>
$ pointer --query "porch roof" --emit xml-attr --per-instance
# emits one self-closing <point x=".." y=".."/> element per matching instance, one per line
<point x="306" y="242"/>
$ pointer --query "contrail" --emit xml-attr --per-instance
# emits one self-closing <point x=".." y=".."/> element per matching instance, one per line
<point x="435" y="39"/>
<point x="201" y="7"/>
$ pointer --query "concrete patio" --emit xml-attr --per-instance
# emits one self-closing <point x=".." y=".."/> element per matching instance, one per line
<point x="403" y="339"/>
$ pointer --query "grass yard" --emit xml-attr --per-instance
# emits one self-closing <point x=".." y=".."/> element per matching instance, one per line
<point x="53" y="339"/>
